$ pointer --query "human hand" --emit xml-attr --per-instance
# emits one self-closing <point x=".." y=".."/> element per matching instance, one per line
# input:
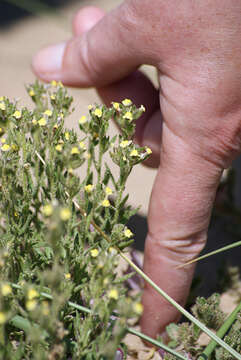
<point x="196" y="48"/>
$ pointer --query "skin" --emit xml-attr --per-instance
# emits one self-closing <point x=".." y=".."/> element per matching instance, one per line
<point x="192" y="123"/>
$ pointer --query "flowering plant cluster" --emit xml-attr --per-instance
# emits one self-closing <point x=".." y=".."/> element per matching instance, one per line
<point x="60" y="296"/>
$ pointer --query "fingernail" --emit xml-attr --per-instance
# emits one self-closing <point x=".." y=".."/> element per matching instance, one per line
<point x="48" y="61"/>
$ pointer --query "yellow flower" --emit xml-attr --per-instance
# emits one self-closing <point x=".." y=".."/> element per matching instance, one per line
<point x="54" y="83"/>
<point x="98" y="112"/>
<point x="94" y="253"/>
<point x="90" y="107"/>
<point x="82" y="145"/>
<point x="48" y="210"/>
<point x="2" y="106"/>
<point x="45" y="308"/>
<point x="14" y="147"/>
<point x="67" y="276"/>
<point x="89" y="188"/>
<point x="48" y="112"/>
<point x="125" y="143"/>
<point x="134" y="153"/>
<point x="6" y="289"/>
<point x="128" y="233"/>
<point x="53" y="97"/>
<point x="116" y="105"/>
<point x="58" y="147"/>
<point x="3" y="140"/>
<point x="87" y="156"/>
<point x="31" y="93"/>
<point x="108" y="190"/>
<point x="65" y="214"/>
<point x="113" y="294"/>
<point x="128" y="115"/>
<point x="82" y="120"/>
<point x="74" y="150"/>
<point x="32" y="294"/>
<point x="5" y="147"/>
<point x="17" y="114"/>
<point x="112" y="250"/>
<point x="15" y="214"/>
<point x="106" y="203"/>
<point x="1" y="98"/>
<point x="42" y="122"/>
<point x="96" y="135"/>
<point x="31" y="305"/>
<point x="127" y="102"/>
<point x="148" y="150"/>
<point x="106" y="281"/>
<point x="34" y="121"/>
<point x="138" y="308"/>
<point x="66" y="135"/>
<point x="3" y="318"/>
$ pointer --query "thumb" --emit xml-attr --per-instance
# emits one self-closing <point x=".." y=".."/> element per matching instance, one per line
<point x="102" y="55"/>
<point x="179" y="215"/>
<point x="86" y="18"/>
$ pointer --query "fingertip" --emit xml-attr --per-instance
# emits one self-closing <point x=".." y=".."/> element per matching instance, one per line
<point x="86" y="18"/>
<point x="47" y="63"/>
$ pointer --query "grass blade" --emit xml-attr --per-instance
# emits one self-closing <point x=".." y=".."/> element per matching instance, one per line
<point x="50" y="297"/>
<point x="225" y="248"/>
<point x="157" y="343"/>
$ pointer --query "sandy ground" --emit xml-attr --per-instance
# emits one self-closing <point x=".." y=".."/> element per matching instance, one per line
<point x="20" y="42"/>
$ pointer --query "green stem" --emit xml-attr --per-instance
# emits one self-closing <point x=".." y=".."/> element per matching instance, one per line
<point x="225" y="248"/>
<point x="50" y="297"/>
<point x="89" y="159"/>
<point x="156" y="343"/>
<point x="20" y="323"/>
<point x="99" y="165"/>
<point x="118" y="201"/>
<point x="2" y="341"/>
<point x="221" y="332"/>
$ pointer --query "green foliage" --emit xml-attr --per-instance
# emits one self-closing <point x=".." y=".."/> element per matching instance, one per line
<point x="233" y="339"/>
<point x="208" y="311"/>
<point x="60" y="235"/>
<point x="184" y="337"/>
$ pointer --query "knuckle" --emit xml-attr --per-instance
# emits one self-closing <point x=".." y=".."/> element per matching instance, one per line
<point x="179" y="249"/>
<point x="79" y="56"/>
<point x="226" y="143"/>
<point x="86" y="54"/>
<point x="129" y="20"/>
